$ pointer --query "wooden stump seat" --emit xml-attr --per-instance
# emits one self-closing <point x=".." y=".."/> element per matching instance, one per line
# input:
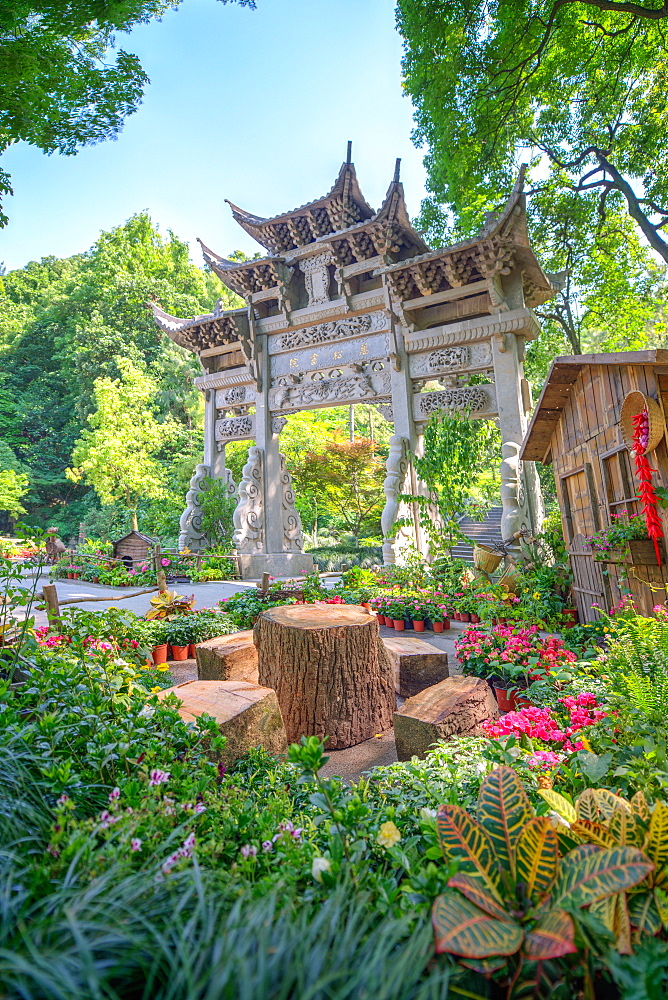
<point x="228" y="658"/>
<point x="416" y="664"/>
<point x="455" y="707"/>
<point x="329" y="671"/>
<point x="247" y="714"/>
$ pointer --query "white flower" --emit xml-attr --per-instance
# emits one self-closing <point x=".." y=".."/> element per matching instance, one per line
<point x="558" y="820"/>
<point x="427" y="814"/>
<point x="319" y="866"/>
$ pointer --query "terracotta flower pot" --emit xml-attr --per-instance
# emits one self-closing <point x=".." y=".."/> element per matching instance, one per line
<point x="389" y="622"/>
<point x="464" y="616"/>
<point x="475" y="619"/>
<point x="418" y="626"/>
<point x="438" y="626"/>
<point x="179" y="652"/>
<point x="399" y="624"/>
<point x="70" y="576"/>
<point x="506" y="699"/>
<point x="191" y="651"/>
<point x="159" y="654"/>
<point x="521" y="701"/>
<point x="446" y="624"/>
<point x="365" y="604"/>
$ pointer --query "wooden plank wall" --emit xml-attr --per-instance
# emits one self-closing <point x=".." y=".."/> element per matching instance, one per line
<point x="588" y="431"/>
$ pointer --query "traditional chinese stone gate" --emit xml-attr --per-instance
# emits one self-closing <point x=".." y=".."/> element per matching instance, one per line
<point x="351" y="306"/>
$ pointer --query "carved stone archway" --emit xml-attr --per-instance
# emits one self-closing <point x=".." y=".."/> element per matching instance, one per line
<point x="351" y="306"/>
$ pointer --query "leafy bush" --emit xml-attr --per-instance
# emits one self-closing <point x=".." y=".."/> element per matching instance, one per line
<point x="330" y="559"/>
<point x="245" y="607"/>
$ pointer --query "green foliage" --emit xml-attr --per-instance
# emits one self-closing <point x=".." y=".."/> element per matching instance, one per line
<point x="347" y="477"/>
<point x="245" y="607"/>
<point x="13" y="488"/>
<point x="577" y="89"/>
<point x="59" y="88"/>
<point x="217" y="510"/>
<point x="333" y="557"/>
<point x="117" y="454"/>
<point x="63" y="324"/>
<point x="513" y="900"/>
<point x="458" y="467"/>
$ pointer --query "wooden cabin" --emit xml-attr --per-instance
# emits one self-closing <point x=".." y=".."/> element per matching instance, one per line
<point x="577" y="428"/>
<point x="134" y="549"/>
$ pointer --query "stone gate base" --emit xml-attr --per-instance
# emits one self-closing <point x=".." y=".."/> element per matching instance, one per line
<point x="253" y="565"/>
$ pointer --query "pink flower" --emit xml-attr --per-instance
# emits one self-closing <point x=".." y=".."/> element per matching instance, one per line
<point x="165" y="562"/>
<point x="159" y="777"/>
<point x="267" y="846"/>
<point x="114" y="794"/>
<point x="248" y="850"/>
<point x="135" y="844"/>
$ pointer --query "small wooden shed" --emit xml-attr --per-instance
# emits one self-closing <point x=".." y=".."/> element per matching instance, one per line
<point x="576" y="427"/>
<point x="134" y="549"/>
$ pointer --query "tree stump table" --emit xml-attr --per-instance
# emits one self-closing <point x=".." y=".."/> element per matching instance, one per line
<point x="329" y="671"/>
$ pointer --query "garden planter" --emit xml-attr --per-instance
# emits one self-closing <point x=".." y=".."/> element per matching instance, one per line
<point x="159" y="654"/>
<point x="389" y="621"/>
<point x="446" y="624"/>
<point x="365" y="604"/>
<point x="70" y="576"/>
<point x="570" y="615"/>
<point x="399" y="624"/>
<point x="179" y="652"/>
<point x="438" y="626"/>
<point x="521" y="701"/>
<point x="464" y="616"/>
<point x="191" y="651"/>
<point x="506" y="699"/>
<point x="418" y="626"/>
<point x="475" y="619"/>
<point x="639" y="552"/>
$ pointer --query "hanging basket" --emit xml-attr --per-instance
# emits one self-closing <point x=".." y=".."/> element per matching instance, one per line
<point x="485" y="558"/>
<point x="509" y="581"/>
<point x="634" y="403"/>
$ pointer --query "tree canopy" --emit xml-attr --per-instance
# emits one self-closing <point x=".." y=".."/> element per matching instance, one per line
<point x="61" y="85"/>
<point x="577" y="89"/>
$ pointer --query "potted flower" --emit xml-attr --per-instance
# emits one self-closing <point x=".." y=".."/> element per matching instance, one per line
<point x="417" y="612"/>
<point x="156" y="640"/>
<point x="438" y="616"/>
<point x="179" y="634"/>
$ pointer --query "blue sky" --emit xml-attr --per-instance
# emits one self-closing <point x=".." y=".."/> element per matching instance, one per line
<point x="254" y="106"/>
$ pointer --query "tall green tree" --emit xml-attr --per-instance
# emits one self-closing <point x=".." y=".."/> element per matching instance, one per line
<point x="117" y="452"/>
<point x="64" y="323"/>
<point x="577" y="89"/>
<point x="62" y="86"/>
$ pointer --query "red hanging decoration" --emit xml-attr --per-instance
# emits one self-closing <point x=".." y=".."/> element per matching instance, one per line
<point x="644" y="471"/>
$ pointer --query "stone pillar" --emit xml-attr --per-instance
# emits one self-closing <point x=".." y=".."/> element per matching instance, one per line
<point x="519" y="513"/>
<point x="403" y="447"/>
<point x="268" y="533"/>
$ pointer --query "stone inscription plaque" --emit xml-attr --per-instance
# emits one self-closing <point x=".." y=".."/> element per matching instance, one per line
<point x="332" y="355"/>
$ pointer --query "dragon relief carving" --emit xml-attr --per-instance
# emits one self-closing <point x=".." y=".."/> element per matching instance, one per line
<point x="320" y="334"/>
<point x="320" y="390"/>
<point x="292" y="525"/>
<point x="474" y="398"/>
<point x="248" y="515"/>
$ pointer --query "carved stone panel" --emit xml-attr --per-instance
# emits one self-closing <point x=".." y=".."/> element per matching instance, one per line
<point x="451" y="359"/>
<point x="333" y="388"/>
<point x="293" y="539"/>
<point x="249" y="513"/>
<point x="235" y="428"/>
<point x="479" y="400"/>
<point x="338" y="329"/>
<point x="235" y="395"/>
<point x="316" y="274"/>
